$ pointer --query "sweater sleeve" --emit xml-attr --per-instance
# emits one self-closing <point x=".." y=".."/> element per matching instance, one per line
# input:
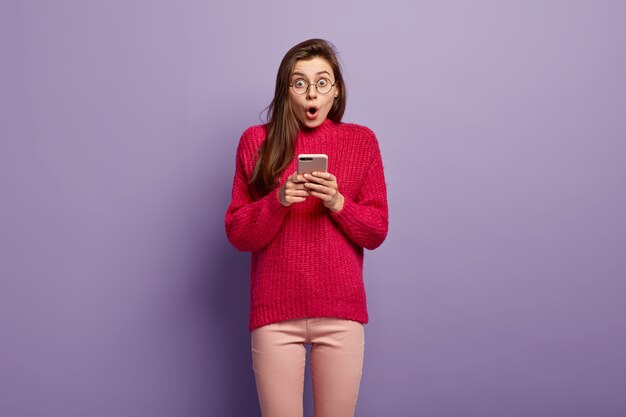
<point x="365" y="220"/>
<point x="251" y="224"/>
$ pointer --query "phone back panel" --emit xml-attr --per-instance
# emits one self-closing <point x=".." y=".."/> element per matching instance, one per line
<point x="312" y="162"/>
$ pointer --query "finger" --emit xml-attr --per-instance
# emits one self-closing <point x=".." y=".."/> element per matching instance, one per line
<point x="316" y="180"/>
<point x="295" y="177"/>
<point x="321" y="196"/>
<point x="297" y="193"/>
<point x="325" y="183"/>
<point x="295" y="186"/>
<point x="324" y="175"/>
<point x="321" y="189"/>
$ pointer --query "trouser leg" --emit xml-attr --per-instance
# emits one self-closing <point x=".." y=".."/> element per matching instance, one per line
<point x="278" y="360"/>
<point x="336" y="365"/>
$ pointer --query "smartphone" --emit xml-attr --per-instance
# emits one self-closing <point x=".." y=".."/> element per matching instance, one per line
<point x="309" y="162"/>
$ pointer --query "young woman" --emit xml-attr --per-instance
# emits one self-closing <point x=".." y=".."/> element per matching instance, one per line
<point x="307" y="234"/>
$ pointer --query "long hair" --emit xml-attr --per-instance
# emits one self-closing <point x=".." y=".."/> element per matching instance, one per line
<point x="278" y="149"/>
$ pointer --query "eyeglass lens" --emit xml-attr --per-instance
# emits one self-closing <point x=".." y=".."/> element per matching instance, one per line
<point x="301" y="86"/>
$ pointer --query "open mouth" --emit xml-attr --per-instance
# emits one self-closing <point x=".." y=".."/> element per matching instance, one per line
<point x="311" y="113"/>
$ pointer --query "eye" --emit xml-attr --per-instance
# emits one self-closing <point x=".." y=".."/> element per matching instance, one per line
<point x="299" y="83"/>
<point x="323" y="82"/>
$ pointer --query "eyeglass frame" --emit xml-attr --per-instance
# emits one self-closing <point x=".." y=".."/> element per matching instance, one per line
<point x="309" y="86"/>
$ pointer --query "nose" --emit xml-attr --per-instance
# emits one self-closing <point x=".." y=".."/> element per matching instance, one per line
<point x="311" y="91"/>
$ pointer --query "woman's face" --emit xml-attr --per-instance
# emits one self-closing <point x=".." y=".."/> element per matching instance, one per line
<point x="311" y="108"/>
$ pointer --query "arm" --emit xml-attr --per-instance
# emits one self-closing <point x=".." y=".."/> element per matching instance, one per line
<point x="250" y="224"/>
<point x="365" y="219"/>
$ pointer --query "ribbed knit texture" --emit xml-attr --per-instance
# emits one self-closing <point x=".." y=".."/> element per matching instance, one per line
<point x="306" y="260"/>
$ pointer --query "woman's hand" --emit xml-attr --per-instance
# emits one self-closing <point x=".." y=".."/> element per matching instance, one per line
<point x="323" y="185"/>
<point x="293" y="190"/>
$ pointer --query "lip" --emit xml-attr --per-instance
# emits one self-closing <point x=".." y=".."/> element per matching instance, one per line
<point x="312" y="116"/>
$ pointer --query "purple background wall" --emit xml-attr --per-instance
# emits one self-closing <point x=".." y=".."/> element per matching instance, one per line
<point x="499" y="292"/>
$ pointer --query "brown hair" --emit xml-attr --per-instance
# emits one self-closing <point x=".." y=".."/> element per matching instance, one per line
<point x="277" y="151"/>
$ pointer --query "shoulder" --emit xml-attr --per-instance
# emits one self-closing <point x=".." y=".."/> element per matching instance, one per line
<point x="254" y="135"/>
<point x="251" y="139"/>
<point x="361" y="136"/>
<point x="356" y="129"/>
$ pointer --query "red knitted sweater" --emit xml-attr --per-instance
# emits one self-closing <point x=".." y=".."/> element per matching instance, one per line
<point x="306" y="260"/>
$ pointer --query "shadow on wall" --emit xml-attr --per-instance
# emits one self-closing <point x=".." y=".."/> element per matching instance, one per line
<point x="221" y="368"/>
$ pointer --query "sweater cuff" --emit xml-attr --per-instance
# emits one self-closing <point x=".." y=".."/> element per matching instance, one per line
<point x="274" y="203"/>
<point x="346" y="211"/>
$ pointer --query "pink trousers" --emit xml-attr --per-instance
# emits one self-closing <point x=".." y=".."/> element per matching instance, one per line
<point x="278" y="360"/>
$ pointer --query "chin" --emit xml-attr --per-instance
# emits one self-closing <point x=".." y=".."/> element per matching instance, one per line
<point x="312" y="124"/>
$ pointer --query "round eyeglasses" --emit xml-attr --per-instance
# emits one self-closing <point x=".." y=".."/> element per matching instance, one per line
<point x="301" y="86"/>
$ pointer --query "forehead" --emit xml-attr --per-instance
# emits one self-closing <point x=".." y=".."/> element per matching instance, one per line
<point x="313" y="66"/>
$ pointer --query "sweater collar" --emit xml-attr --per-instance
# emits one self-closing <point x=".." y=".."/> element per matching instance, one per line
<point x="326" y="126"/>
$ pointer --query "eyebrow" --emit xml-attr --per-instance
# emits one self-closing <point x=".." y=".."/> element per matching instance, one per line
<point x="317" y="73"/>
